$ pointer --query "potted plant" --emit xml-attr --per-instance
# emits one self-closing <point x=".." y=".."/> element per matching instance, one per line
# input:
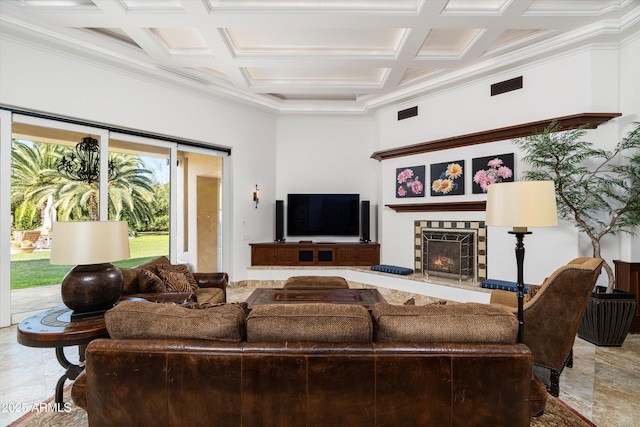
<point x="599" y="192"/>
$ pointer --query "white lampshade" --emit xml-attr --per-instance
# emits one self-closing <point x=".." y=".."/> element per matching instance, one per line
<point x="522" y="204"/>
<point x="89" y="242"/>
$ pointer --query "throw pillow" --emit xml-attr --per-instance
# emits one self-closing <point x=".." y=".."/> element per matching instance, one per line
<point x="412" y="301"/>
<point x="153" y="264"/>
<point x="309" y="322"/>
<point x="150" y="282"/>
<point x="174" y="281"/>
<point x="180" y="268"/>
<point x="201" y="306"/>
<point x="456" y="323"/>
<point x="148" y="320"/>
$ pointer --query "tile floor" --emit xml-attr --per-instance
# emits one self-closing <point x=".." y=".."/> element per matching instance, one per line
<point x="603" y="385"/>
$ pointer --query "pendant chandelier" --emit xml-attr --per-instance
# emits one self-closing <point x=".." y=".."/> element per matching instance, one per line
<point x="83" y="164"/>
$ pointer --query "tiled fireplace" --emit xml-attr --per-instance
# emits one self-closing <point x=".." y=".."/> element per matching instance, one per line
<point x="451" y="249"/>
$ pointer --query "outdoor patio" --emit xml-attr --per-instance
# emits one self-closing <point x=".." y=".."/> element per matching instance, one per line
<point x="29" y="301"/>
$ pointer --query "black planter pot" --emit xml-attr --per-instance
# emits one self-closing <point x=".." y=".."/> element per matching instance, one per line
<point x="608" y="317"/>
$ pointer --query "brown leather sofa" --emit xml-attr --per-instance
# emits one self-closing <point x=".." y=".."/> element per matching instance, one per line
<point x="279" y="366"/>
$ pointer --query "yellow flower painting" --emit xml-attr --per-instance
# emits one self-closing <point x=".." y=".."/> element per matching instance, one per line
<point x="447" y="178"/>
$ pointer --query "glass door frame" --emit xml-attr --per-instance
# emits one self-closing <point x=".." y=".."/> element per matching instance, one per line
<point x="5" y="217"/>
<point x="225" y="245"/>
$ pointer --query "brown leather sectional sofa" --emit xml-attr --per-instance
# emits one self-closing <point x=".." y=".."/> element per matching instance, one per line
<point x="279" y="366"/>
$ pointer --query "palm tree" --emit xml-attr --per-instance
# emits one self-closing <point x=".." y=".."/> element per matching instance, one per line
<point x="130" y="193"/>
<point x="35" y="177"/>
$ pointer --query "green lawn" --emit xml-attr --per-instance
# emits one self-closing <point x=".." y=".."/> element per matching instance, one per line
<point x="34" y="269"/>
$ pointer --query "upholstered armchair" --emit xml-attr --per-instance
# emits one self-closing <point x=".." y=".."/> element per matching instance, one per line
<point x="147" y="282"/>
<point x="316" y="282"/>
<point x="552" y="314"/>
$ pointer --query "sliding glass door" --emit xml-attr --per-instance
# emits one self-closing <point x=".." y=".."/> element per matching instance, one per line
<point x="199" y="201"/>
<point x="170" y="194"/>
<point x="46" y="186"/>
<point x="139" y="194"/>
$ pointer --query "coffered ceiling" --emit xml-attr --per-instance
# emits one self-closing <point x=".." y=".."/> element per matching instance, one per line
<point x="334" y="56"/>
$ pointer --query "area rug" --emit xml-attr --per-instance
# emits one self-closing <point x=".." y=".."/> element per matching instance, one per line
<point x="557" y="414"/>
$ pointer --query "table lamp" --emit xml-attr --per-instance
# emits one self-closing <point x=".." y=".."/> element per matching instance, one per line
<point x="94" y="285"/>
<point x="521" y="205"/>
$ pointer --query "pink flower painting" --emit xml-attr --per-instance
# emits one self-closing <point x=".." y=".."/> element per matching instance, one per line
<point x="490" y="170"/>
<point x="410" y="182"/>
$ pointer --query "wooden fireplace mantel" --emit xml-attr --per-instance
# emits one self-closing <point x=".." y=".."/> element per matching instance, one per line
<point x="475" y="206"/>
<point x="592" y="120"/>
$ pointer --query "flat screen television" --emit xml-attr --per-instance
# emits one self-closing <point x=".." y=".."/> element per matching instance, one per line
<point x="323" y="215"/>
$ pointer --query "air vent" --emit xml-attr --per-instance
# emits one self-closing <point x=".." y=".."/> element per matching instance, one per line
<point x="409" y="112"/>
<point x="506" y="86"/>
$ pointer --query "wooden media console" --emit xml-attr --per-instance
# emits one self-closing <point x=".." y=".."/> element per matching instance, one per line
<point x="315" y="254"/>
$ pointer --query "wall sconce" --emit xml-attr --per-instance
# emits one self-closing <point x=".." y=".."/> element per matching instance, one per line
<point x="256" y="196"/>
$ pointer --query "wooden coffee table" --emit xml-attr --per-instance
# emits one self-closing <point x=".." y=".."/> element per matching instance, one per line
<point x="54" y="328"/>
<point x="365" y="297"/>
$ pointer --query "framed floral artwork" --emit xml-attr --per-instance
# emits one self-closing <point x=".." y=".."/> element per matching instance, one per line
<point x="447" y="178"/>
<point x="410" y="182"/>
<point x="490" y="170"/>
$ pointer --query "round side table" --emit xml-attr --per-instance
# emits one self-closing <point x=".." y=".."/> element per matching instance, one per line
<point x="54" y="328"/>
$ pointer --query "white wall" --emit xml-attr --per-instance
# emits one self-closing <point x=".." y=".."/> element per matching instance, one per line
<point x="589" y="80"/>
<point x="552" y="88"/>
<point x="630" y="101"/>
<point x="61" y="84"/>
<point x="331" y="154"/>
<point x="327" y="155"/>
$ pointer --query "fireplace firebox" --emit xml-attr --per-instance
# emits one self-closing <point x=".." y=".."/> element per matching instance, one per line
<point x="451" y="249"/>
<point x="449" y="254"/>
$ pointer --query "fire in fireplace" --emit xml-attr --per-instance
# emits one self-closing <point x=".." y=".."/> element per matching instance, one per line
<point x="449" y="253"/>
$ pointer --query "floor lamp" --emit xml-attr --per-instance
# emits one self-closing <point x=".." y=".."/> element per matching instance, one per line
<point x="94" y="285"/>
<point x="521" y="205"/>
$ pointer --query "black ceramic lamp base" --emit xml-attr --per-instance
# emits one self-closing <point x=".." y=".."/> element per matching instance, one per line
<point x="91" y="288"/>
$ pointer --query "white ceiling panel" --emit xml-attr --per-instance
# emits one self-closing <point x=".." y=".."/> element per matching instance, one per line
<point x="181" y="39"/>
<point x="476" y="6"/>
<point x="149" y="5"/>
<point x="333" y="55"/>
<point x="314" y="41"/>
<point x="325" y="5"/>
<point x="448" y="41"/>
<point x="574" y="7"/>
<point x="336" y="76"/>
